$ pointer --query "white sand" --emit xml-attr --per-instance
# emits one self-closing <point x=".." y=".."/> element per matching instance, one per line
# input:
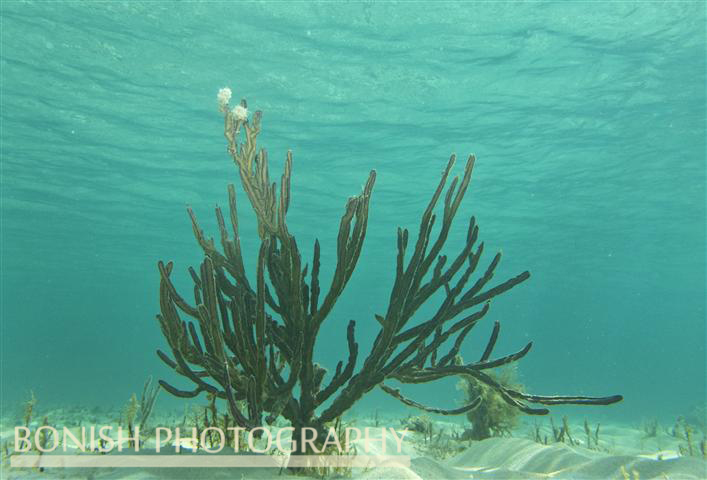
<point x="623" y="451"/>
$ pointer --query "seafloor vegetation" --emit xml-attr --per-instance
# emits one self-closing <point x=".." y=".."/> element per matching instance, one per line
<point x="533" y="447"/>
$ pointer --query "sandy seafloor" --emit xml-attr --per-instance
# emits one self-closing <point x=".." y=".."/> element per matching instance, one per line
<point x="624" y="452"/>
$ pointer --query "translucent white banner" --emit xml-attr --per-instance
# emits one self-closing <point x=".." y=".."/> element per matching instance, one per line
<point x="204" y="461"/>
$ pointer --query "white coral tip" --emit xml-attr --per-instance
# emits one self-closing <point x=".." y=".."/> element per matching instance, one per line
<point x="224" y="96"/>
<point x="240" y="112"/>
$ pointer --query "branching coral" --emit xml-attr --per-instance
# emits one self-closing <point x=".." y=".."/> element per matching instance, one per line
<point x="252" y="343"/>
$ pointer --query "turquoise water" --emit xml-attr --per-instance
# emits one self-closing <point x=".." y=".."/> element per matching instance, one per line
<point x="588" y="120"/>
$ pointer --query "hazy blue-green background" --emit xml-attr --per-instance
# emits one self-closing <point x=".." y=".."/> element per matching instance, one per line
<point x="588" y="120"/>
